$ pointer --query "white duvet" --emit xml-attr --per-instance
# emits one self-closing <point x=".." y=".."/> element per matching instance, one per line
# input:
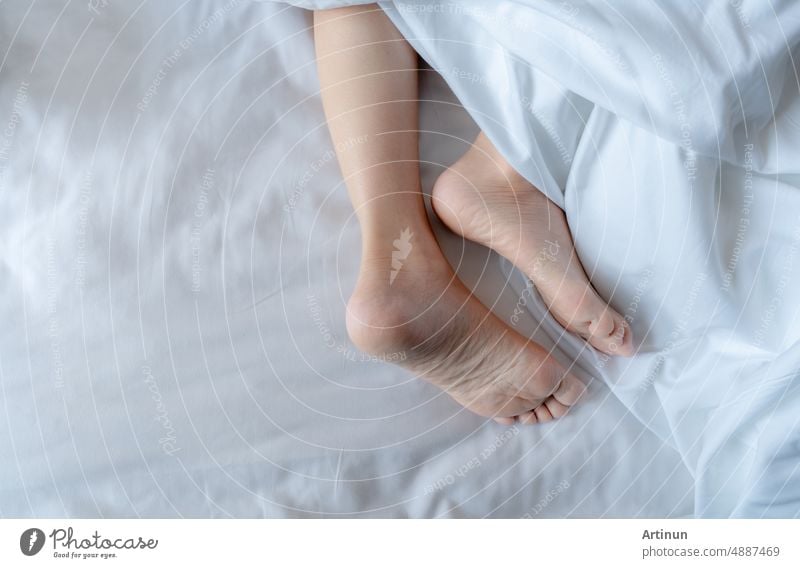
<point x="670" y="134"/>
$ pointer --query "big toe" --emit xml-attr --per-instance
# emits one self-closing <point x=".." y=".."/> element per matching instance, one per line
<point x="610" y="333"/>
<point x="576" y="305"/>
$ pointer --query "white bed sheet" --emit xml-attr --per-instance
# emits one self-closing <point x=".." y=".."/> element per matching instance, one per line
<point x="177" y="249"/>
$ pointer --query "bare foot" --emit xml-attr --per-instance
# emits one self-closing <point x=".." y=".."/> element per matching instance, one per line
<point x="482" y="198"/>
<point x="410" y="308"/>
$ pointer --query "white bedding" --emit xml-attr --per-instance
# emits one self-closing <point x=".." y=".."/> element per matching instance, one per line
<point x="176" y="253"/>
<point x="670" y="134"/>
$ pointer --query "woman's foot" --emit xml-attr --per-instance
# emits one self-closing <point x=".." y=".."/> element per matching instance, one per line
<point x="482" y="198"/>
<point x="410" y="308"/>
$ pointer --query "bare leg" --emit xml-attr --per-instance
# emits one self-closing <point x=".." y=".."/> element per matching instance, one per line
<point x="408" y="303"/>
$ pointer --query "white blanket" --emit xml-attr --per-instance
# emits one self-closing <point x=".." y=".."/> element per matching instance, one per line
<point x="670" y="134"/>
<point x="176" y="252"/>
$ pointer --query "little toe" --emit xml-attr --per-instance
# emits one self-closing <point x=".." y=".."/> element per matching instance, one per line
<point x="505" y="420"/>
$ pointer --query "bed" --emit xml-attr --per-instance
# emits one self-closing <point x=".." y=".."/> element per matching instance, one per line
<point x="178" y="249"/>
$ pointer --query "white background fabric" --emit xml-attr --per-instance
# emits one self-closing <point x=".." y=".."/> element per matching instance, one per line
<point x="176" y="252"/>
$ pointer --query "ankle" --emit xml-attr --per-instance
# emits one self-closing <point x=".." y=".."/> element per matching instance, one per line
<point x="398" y="282"/>
<point x="495" y="164"/>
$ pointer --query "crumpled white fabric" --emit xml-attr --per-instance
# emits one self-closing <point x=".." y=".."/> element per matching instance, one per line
<point x="177" y="250"/>
<point x="670" y="133"/>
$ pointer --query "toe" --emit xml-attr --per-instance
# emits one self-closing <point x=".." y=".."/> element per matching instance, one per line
<point x="603" y="326"/>
<point x="505" y="420"/>
<point x="569" y="391"/>
<point x="557" y="410"/>
<point x="623" y="339"/>
<point x="543" y="414"/>
<point x="527" y="418"/>
<point x="611" y="334"/>
<point x="591" y="318"/>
